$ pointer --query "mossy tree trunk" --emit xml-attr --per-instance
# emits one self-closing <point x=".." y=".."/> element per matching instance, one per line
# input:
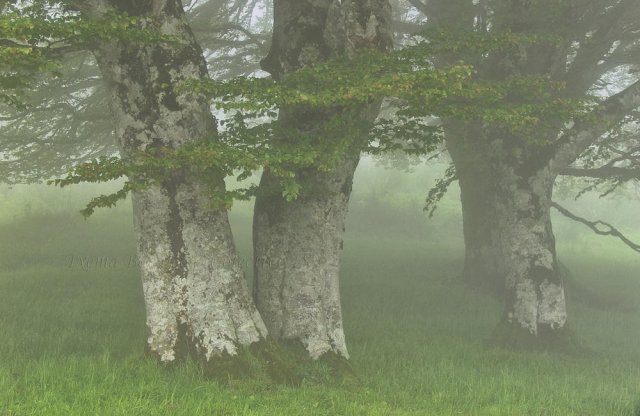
<point x="297" y="244"/>
<point x="535" y="298"/>
<point x="194" y="287"/>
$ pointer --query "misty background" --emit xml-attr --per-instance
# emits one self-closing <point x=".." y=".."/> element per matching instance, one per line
<point x="387" y="203"/>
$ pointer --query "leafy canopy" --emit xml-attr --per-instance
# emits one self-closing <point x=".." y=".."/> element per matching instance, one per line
<point x="252" y="137"/>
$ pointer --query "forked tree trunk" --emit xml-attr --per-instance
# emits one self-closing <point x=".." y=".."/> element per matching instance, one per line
<point x="195" y="292"/>
<point x="297" y="245"/>
<point x="506" y="195"/>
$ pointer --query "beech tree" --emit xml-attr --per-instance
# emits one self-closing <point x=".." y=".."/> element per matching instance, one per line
<point x="328" y="109"/>
<point x="331" y="73"/>
<point x="507" y="179"/>
<point x="297" y="243"/>
<point x="195" y="292"/>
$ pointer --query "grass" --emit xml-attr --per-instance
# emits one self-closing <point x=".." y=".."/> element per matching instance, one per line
<point x="72" y="335"/>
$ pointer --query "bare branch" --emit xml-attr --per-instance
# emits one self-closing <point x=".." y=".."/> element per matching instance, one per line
<point x="421" y="7"/>
<point x="598" y="227"/>
<point x="605" y="172"/>
<point x="582" y="135"/>
<point x="257" y="39"/>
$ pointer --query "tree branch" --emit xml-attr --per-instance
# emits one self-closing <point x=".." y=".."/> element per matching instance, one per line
<point x="257" y="39"/>
<point x="583" y="134"/>
<point x="421" y="7"/>
<point x="604" y="172"/>
<point x="595" y="226"/>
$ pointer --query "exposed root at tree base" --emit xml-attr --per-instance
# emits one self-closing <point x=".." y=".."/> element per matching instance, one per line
<point x="269" y="361"/>
<point x="264" y="360"/>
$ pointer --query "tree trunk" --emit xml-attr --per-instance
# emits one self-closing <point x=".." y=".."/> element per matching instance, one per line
<point x="194" y="288"/>
<point x="477" y="195"/>
<point x="297" y="245"/>
<point x="535" y="299"/>
<point x="195" y="291"/>
<point x="506" y="192"/>
<point x="297" y="259"/>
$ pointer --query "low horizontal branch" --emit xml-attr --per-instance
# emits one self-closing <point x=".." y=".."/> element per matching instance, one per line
<point x="605" y="172"/>
<point x="599" y="227"/>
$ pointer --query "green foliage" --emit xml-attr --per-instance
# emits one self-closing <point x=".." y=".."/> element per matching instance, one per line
<point x="470" y="43"/>
<point x="521" y="104"/>
<point x="440" y="190"/>
<point x="340" y="92"/>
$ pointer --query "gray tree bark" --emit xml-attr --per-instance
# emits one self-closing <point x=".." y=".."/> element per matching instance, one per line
<point x="297" y="245"/>
<point x="477" y="195"/>
<point x="297" y="259"/>
<point x="194" y="287"/>
<point x="535" y="298"/>
<point x="506" y="190"/>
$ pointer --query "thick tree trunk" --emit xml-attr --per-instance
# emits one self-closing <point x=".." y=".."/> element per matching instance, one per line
<point x="297" y="245"/>
<point x="535" y="299"/>
<point x="297" y="259"/>
<point x="195" y="292"/>
<point x="506" y="195"/>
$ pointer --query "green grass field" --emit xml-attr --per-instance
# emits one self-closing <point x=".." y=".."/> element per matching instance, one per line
<point x="72" y="334"/>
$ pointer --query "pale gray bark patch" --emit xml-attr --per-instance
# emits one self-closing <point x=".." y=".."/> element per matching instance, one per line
<point x="535" y="294"/>
<point x="553" y="311"/>
<point x="205" y="292"/>
<point x="193" y="283"/>
<point x="219" y="310"/>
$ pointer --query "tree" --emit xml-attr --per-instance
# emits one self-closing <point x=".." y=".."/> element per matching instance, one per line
<point x="235" y="34"/>
<point x="195" y="292"/>
<point x="46" y="79"/>
<point x="297" y="243"/>
<point x="327" y="111"/>
<point x="507" y="179"/>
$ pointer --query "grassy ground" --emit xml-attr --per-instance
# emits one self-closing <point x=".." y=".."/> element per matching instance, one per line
<point x="72" y="332"/>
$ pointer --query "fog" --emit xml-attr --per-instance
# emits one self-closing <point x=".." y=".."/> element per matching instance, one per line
<point x="387" y="205"/>
<point x="71" y="301"/>
<point x="340" y="207"/>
